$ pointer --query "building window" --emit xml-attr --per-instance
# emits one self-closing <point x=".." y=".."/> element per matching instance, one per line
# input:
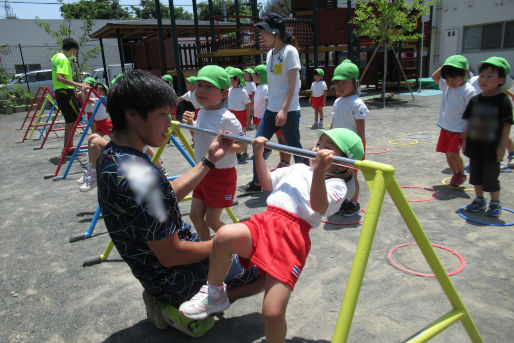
<point x="488" y="36"/>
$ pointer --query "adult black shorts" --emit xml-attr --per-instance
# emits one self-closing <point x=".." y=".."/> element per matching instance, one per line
<point x="68" y="104"/>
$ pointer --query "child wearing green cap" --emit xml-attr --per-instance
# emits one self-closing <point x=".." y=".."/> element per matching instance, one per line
<point x="349" y="111"/>
<point x="250" y="88"/>
<point x="452" y="80"/>
<point x="190" y="95"/>
<point x="488" y="119"/>
<point x="216" y="191"/>
<point x="277" y="241"/>
<point x="318" y="97"/>
<point x="239" y="103"/>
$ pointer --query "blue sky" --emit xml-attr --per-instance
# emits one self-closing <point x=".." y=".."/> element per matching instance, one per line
<point x="46" y="11"/>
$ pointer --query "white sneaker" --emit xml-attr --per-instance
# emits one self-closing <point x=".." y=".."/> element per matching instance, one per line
<point x="320" y="124"/>
<point x="83" y="178"/>
<point x="89" y="184"/>
<point x="207" y="301"/>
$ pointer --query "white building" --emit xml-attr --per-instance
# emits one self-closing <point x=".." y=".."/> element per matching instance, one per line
<point x="476" y="29"/>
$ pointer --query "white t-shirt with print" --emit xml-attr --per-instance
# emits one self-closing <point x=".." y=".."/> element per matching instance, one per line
<point x="453" y="104"/>
<point x="191" y="97"/>
<point x="250" y="87"/>
<point x="348" y="109"/>
<point x="291" y="192"/>
<point x="318" y="88"/>
<point x="237" y="99"/>
<point x="259" y="101"/>
<point x="216" y="120"/>
<point x="277" y="67"/>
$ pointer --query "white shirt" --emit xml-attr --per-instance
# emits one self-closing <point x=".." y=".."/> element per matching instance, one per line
<point x="259" y="101"/>
<point x="291" y="192"/>
<point x="348" y="109"/>
<point x="101" y="114"/>
<point x="216" y="120"/>
<point x="453" y="104"/>
<point x="277" y="67"/>
<point x="250" y="87"/>
<point x="474" y="82"/>
<point x="318" y="88"/>
<point x="237" y="99"/>
<point x="191" y="97"/>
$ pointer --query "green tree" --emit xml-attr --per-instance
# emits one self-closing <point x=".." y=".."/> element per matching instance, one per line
<point x="94" y="9"/>
<point x="147" y="10"/>
<point x="389" y="22"/>
<point x="203" y="10"/>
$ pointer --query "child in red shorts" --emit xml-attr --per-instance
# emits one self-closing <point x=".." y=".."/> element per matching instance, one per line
<point x="277" y="241"/>
<point x="318" y="97"/>
<point x="239" y="103"/>
<point x="216" y="190"/>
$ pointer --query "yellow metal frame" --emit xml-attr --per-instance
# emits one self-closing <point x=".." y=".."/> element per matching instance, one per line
<point x="37" y="120"/>
<point x="380" y="178"/>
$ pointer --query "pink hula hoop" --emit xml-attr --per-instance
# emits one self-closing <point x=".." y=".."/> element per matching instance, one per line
<point x="377" y="152"/>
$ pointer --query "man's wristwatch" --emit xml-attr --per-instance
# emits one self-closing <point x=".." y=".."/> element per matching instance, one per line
<point x="208" y="163"/>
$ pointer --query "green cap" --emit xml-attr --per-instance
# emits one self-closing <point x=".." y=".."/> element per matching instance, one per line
<point x="457" y="61"/>
<point x="249" y="70"/>
<point x="191" y="79"/>
<point x="167" y="78"/>
<point x="227" y="68"/>
<point x="236" y="72"/>
<point x="90" y="80"/>
<point x="214" y="74"/>
<point x="319" y="71"/>
<point x="347" y="141"/>
<point x="261" y="71"/>
<point x="103" y="84"/>
<point x="499" y="62"/>
<point x="346" y="70"/>
<point x="116" y="78"/>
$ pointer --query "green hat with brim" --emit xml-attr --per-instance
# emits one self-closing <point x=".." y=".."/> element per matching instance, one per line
<point x="103" y="84"/>
<point x="215" y="75"/>
<point x="236" y="72"/>
<point x="249" y="70"/>
<point x="90" y="80"/>
<point x="319" y="71"/>
<point x="457" y="61"/>
<point x="191" y="79"/>
<point x="346" y="70"/>
<point x="227" y="68"/>
<point x="261" y="71"/>
<point x="347" y="141"/>
<point x="167" y="78"/>
<point x="116" y="78"/>
<point x="502" y="63"/>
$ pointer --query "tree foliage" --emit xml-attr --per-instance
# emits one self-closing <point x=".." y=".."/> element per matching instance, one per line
<point x="94" y="9"/>
<point x="203" y="10"/>
<point x="147" y="10"/>
<point x="394" y="21"/>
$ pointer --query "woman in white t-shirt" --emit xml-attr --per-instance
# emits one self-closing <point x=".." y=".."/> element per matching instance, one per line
<point x="283" y="67"/>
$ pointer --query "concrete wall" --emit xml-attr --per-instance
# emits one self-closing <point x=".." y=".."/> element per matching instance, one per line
<point x="449" y="19"/>
<point x="33" y="40"/>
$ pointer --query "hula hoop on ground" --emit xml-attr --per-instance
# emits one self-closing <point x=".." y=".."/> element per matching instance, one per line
<point x="506" y="168"/>
<point x="435" y="195"/>
<point x="345" y="224"/>
<point x="377" y="152"/>
<point x="461" y="210"/>
<point x="412" y="141"/>
<point x="408" y="271"/>
<point x="443" y="182"/>
<point x="419" y="135"/>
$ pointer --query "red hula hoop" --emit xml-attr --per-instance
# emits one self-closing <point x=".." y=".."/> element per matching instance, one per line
<point x="434" y="193"/>
<point x="378" y="152"/>
<point x="344" y="224"/>
<point x="408" y="271"/>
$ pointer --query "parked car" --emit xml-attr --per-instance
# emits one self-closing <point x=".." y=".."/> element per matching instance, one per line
<point x="113" y="70"/>
<point x="36" y="79"/>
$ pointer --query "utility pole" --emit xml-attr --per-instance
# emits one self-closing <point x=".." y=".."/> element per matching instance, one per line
<point x="9" y="13"/>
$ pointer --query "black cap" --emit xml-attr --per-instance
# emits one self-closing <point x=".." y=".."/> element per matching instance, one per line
<point x="275" y="24"/>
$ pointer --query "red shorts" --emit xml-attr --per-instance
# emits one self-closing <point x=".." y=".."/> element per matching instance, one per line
<point x="256" y="121"/>
<point x="317" y="102"/>
<point x="217" y="188"/>
<point x="279" y="132"/>
<point x="196" y="113"/>
<point x="449" y="142"/>
<point x="251" y="97"/>
<point x="281" y="244"/>
<point x="241" y="116"/>
<point x="104" y="127"/>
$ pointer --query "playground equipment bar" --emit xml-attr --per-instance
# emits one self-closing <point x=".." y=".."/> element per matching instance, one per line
<point x="274" y="146"/>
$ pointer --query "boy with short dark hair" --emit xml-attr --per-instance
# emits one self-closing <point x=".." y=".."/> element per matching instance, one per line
<point x="452" y="80"/>
<point x="489" y="118"/>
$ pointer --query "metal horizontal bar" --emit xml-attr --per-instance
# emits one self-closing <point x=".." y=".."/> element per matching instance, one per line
<point x="274" y="146"/>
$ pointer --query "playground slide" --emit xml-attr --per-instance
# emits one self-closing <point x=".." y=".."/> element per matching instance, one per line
<point x="282" y="7"/>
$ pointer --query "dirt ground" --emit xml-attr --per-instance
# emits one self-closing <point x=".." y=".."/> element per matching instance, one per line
<point x="46" y="295"/>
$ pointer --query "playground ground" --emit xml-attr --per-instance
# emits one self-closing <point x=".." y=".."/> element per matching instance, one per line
<point x="46" y="295"/>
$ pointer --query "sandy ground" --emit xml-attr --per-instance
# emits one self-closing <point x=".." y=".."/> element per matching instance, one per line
<point x="48" y="296"/>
